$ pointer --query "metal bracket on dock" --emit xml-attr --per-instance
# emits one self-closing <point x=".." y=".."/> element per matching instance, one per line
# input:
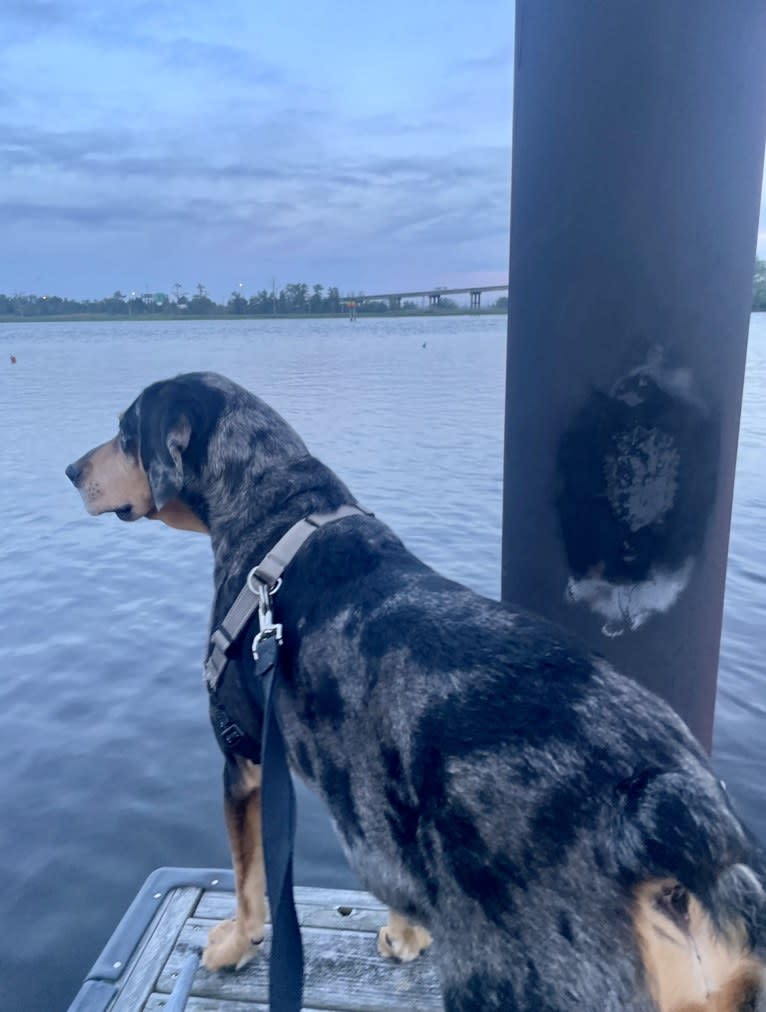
<point x="99" y="988"/>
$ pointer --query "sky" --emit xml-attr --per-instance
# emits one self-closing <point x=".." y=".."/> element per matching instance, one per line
<point x="362" y="145"/>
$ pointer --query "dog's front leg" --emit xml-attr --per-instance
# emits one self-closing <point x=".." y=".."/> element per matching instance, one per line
<point x="234" y="942"/>
<point x="402" y="940"/>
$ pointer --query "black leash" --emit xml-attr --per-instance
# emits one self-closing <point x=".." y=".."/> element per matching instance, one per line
<point x="278" y="822"/>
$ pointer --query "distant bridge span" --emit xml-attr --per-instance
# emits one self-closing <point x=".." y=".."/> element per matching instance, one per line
<point x="432" y="294"/>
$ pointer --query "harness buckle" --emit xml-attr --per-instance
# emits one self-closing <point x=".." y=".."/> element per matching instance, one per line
<point x="232" y="734"/>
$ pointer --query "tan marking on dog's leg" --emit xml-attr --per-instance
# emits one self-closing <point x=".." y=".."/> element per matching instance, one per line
<point x="402" y="940"/>
<point x="234" y="942"/>
<point x="689" y="966"/>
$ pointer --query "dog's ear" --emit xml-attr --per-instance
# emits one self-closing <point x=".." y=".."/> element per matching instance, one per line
<point x="166" y="471"/>
<point x="166" y="430"/>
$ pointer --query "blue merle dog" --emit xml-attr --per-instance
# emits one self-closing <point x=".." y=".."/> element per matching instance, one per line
<point x="552" y="826"/>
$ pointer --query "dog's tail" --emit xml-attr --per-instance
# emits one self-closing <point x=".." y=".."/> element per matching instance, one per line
<point x="700" y="903"/>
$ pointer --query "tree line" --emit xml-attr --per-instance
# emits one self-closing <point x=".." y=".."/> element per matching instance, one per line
<point x="291" y="300"/>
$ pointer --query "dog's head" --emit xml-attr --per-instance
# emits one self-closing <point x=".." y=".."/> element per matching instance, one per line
<point x="142" y="471"/>
<point x="182" y="443"/>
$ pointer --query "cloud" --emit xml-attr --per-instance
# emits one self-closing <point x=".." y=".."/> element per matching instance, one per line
<point x="390" y="124"/>
<point x="36" y="147"/>
<point x="498" y="59"/>
<point x="239" y="66"/>
<point x="120" y="152"/>
<point x="38" y="13"/>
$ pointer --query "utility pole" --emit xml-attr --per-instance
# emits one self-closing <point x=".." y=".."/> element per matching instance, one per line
<point x="637" y="165"/>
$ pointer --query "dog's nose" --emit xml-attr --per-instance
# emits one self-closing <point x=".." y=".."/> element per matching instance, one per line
<point x="74" y="473"/>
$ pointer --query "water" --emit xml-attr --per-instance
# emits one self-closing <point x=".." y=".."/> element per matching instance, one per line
<point x="109" y="766"/>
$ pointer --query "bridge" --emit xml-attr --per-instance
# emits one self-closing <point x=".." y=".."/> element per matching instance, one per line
<point x="432" y="294"/>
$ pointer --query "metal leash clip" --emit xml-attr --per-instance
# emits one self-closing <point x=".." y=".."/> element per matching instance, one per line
<point x="275" y="629"/>
<point x="266" y="621"/>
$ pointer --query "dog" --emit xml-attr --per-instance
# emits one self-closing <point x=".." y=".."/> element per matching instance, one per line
<point x="552" y="826"/>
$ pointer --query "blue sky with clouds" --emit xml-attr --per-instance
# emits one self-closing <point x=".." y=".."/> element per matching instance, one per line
<point x="363" y="145"/>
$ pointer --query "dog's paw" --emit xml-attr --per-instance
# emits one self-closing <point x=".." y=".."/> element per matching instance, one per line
<point x="229" y="945"/>
<point x="402" y="941"/>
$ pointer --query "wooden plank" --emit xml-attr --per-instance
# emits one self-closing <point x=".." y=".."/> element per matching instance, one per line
<point x="218" y="905"/>
<point x="343" y="971"/>
<point x="156" y="1003"/>
<point x="339" y="917"/>
<point x="142" y="971"/>
<point x="342" y="897"/>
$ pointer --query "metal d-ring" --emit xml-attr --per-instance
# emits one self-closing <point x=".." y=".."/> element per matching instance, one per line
<point x="253" y="582"/>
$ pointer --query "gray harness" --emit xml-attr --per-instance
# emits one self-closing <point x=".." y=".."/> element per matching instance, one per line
<point x="263" y="581"/>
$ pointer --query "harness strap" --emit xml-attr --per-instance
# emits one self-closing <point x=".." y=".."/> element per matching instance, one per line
<point x="271" y="567"/>
<point x="267" y="572"/>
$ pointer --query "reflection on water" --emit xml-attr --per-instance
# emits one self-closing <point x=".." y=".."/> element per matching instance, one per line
<point x="110" y="768"/>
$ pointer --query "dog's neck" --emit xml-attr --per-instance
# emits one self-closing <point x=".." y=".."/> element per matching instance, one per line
<point x="178" y="515"/>
<point x="246" y="522"/>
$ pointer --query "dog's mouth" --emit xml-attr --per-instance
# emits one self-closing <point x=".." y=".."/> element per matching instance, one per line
<point x="125" y="512"/>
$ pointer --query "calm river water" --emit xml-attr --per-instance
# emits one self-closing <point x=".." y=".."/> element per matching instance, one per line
<point x="109" y="768"/>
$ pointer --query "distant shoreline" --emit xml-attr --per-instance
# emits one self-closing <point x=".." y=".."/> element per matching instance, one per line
<point x="181" y="317"/>
<point x="228" y="317"/>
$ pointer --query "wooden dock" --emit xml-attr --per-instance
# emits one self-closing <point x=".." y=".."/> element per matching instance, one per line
<point x="161" y="935"/>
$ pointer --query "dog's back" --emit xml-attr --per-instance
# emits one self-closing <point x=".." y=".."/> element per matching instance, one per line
<point x="516" y="795"/>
